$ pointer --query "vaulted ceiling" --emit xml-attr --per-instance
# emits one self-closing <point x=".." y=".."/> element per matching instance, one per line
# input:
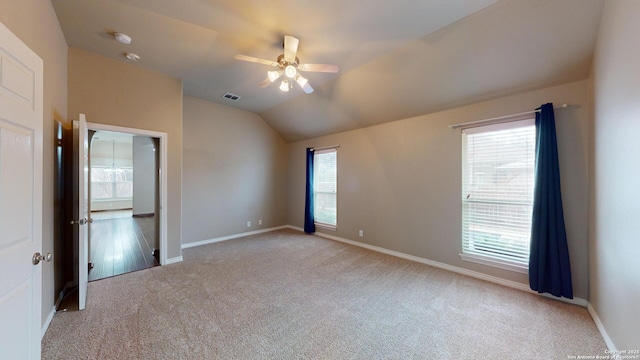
<point x="397" y="59"/>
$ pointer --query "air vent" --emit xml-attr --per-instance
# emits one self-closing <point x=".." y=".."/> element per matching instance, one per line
<point x="231" y="97"/>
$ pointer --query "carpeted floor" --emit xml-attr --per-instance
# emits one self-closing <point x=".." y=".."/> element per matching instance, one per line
<point x="286" y="295"/>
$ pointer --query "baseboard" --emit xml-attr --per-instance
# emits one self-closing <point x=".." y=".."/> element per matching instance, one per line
<point x="173" y="260"/>
<point x="47" y="322"/>
<point x="600" y="326"/>
<point x="68" y="288"/>
<point x="230" y="237"/>
<point x="70" y="285"/>
<point x="456" y="269"/>
<point x="61" y="295"/>
<point x="143" y="215"/>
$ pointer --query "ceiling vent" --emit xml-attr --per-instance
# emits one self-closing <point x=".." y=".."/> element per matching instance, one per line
<point x="231" y="97"/>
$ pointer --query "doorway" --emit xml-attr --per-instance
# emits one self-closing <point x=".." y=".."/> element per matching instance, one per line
<point x="123" y="179"/>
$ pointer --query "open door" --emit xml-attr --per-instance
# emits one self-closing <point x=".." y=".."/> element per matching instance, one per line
<point x="21" y="260"/>
<point x="81" y="213"/>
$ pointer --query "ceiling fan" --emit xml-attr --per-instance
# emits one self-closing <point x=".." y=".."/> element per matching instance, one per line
<point x="289" y="66"/>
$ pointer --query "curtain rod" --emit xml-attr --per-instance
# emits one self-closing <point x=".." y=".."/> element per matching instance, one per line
<point x="325" y="147"/>
<point x="496" y="120"/>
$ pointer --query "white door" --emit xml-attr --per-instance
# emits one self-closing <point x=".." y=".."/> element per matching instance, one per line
<point x="20" y="198"/>
<point x="81" y="147"/>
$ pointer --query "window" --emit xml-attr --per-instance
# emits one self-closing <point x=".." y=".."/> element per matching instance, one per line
<point x="110" y="183"/>
<point x="325" y="187"/>
<point x="497" y="193"/>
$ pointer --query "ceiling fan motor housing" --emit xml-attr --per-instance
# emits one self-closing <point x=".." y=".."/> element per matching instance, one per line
<point x="282" y="63"/>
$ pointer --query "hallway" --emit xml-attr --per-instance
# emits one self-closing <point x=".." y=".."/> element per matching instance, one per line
<point x="120" y="243"/>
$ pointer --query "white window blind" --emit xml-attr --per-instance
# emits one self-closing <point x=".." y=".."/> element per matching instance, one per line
<point x="325" y="187"/>
<point x="497" y="192"/>
<point x="108" y="183"/>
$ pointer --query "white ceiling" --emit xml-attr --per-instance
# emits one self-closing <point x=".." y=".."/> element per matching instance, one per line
<point x="397" y="58"/>
<point x="110" y="136"/>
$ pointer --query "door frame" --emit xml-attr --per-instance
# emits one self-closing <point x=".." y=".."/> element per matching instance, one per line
<point x="162" y="169"/>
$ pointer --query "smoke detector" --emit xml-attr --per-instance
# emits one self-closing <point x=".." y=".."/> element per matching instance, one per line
<point x="122" y="38"/>
<point x="132" y="56"/>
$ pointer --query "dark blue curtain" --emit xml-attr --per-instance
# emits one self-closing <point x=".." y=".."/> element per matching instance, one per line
<point x="549" y="268"/>
<point x="309" y="225"/>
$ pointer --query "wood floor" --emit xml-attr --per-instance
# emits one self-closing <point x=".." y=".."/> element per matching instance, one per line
<point x="120" y="243"/>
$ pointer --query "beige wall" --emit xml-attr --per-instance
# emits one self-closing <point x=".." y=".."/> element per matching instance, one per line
<point x="144" y="176"/>
<point x="234" y="171"/>
<point x="35" y="23"/>
<point x="400" y="182"/>
<point x="614" y="234"/>
<point x="116" y="93"/>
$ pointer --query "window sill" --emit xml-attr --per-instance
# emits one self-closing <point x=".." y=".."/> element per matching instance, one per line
<point x="326" y="226"/>
<point x="506" y="265"/>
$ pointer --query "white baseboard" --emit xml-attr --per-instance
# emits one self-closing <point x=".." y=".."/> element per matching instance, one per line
<point x="47" y="322"/>
<point x="295" y="228"/>
<point x="456" y="269"/>
<point x="600" y="326"/>
<point x="61" y="295"/>
<point x="230" y="237"/>
<point x="173" y="260"/>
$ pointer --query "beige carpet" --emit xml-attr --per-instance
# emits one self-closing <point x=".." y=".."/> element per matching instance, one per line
<point x="286" y="295"/>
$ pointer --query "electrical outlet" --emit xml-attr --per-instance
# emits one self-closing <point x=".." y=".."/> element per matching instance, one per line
<point x="260" y="222"/>
<point x="248" y="223"/>
<point x="360" y="233"/>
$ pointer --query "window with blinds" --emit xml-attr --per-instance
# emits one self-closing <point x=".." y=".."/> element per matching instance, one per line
<point x="109" y="183"/>
<point x="497" y="193"/>
<point x="325" y="187"/>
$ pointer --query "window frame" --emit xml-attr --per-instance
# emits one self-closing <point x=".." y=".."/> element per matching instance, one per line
<point x="484" y="256"/>
<point x="114" y="184"/>
<point x="321" y="224"/>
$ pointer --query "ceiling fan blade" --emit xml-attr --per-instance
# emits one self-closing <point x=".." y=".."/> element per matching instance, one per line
<point x="328" y="68"/>
<point x="266" y="82"/>
<point x="290" y="48"/>
<point x="255" y="60"/>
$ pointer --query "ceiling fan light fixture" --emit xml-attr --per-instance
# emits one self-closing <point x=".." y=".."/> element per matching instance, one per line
<point x="284" y="86"/>
<point x="288" y="64"/>
<point x="290" y="71"/>
<point x="301" y="81"/>
<point x="113" y="168"/>
<point x="273" y="75"/>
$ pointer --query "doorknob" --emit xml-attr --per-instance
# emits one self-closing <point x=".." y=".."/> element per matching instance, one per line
<point x="81" y="221"/>
<point x="37" y="258"/>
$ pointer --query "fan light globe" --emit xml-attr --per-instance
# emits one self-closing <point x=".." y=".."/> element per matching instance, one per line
<point x="301" y="81"/>
<point x="273" y="75"/>
<point x="290" y="71"/>
<point x="284" y="86"/>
